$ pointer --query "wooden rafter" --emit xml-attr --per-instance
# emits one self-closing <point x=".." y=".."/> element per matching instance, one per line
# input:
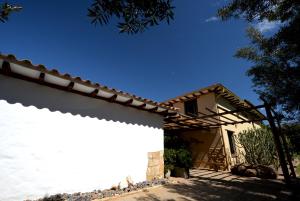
<point x="236" y="115"/>
<point x="215" y="118"/>
<point x="211" y="120"/>
<point x="113" y="98"/>
<point x="153" y="109"/>
<point x="142" y="105"/>
<point x="213" y="112"/>
<point x="184" y="118"/>
<point x="94" y="93"/>
<point x="70" y="86"/>
<point x="6" y="68"/>
<point x="128" y="102"/>
<point x="42" y="77"/>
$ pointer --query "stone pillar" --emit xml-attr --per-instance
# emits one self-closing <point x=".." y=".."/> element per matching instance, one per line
<point x="155" y="168"/>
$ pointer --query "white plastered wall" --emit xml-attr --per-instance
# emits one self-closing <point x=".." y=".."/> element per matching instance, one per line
<point x="53" y="141"/>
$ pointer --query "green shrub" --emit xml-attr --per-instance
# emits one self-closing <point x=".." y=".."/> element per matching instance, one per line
<point x="176" y="153"/>
<point x="259" y="146"/>
<point x="170" y="158"/>
<point x="184" y="158"/>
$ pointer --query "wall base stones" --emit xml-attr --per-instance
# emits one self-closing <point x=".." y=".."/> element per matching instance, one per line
<point x="155" y="168"/>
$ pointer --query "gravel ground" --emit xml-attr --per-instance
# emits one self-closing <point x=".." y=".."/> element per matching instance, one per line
<point x="216" y="186"/>
<point x="104" y="194"/>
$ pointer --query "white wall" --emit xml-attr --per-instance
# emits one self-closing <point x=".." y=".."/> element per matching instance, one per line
<point x="71" y="143"/>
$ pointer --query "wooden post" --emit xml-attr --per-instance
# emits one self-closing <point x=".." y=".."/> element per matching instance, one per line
<point x="277" y="143"/>
<point x="285" y="145"/>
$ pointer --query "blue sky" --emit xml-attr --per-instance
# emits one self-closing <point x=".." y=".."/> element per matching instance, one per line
<point x="194" y="51"/>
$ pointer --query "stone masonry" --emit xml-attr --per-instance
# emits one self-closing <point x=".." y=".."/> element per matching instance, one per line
<point x="155" y="168"/>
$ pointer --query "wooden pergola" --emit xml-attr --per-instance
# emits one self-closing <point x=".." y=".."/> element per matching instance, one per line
<point x="211" y="119"/>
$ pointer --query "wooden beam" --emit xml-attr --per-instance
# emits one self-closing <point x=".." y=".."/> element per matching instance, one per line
<point x="128" y="102"/>
<point x="209" y="119"/>
<point x="42" y="77"/>
<point x="211" y="111"/>
<point x="181" y="124"/>
<point x="142" y="106"/>
<point x="189" y="119"/>
<point x="153" y="109"/>
<point x="94" y="93"/>
<point x="70" y="86"/>
<point x="285" y="144"/>
<point x="197" y="121"/>
<point x="112" y="98"/>
<point x="234" y="123"/>
<point x="236" y="115"/>
<point x="215" y="118"/>
<point x="164" y="112"/>
<point x="6" y="68"/>
<point x="278" y="145"/>
<point x="235" y="111"/>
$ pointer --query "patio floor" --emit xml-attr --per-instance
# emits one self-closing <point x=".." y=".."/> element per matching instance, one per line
<point x="209" y="185"/>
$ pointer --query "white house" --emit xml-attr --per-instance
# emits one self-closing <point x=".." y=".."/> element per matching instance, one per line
<point x="64" y="134"/>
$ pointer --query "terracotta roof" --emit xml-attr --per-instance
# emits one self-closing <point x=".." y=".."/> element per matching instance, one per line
<point x="220" y="90"/>
<point x="24" y="69"/>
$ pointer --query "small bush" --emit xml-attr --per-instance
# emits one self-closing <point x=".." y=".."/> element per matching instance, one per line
<point x="170" y="158"/>
<point x="176" y="153"/>
<point x="184" y="158"/>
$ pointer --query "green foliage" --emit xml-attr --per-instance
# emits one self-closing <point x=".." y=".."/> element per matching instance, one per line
<point x="260" y="9"/>
<point x="184" y="158"/>
<point x="176" y="153"/>
<point x="6" y="9"/>
<point x="275" y="72"/>
<point x="292" y="131"/>
<point x="174" y="142"/>
<point x="259" y="147"/>
<point x="177" y="158"/>
<point x="170" y="156"/>
<point x="134" y="15"/>
<point x="298" y="169"/>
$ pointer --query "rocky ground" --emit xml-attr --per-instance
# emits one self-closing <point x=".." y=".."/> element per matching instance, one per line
<point x="204" y="185"/>
<point x="98" y="194"/>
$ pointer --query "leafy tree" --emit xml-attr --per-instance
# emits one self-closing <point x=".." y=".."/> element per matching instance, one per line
<point x="6" y="9"/>
<point x="276" y="58"/>
<point x="134" y="15"/>
<point x="292" y="131"/>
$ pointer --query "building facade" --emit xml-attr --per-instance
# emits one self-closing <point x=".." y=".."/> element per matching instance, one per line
<point x="60" y="134"/>
<point x="63" y="134"/>
<point x="214" y="147"/>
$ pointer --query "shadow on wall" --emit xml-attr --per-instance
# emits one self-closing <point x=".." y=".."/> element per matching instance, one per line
<point x="26" y="93"/>
<point x="206" y="147"/>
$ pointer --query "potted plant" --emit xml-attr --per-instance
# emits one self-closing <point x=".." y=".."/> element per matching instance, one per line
<point x="177" y="158"/>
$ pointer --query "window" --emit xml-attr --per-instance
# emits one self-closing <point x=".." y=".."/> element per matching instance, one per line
<point x="190" y="107"/>
<point x="231" y="141"/>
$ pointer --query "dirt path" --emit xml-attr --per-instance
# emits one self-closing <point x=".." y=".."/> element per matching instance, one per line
<point x="215" y="186"/>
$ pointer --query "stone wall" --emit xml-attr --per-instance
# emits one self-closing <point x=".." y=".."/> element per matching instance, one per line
<point x="155" y="168"/>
